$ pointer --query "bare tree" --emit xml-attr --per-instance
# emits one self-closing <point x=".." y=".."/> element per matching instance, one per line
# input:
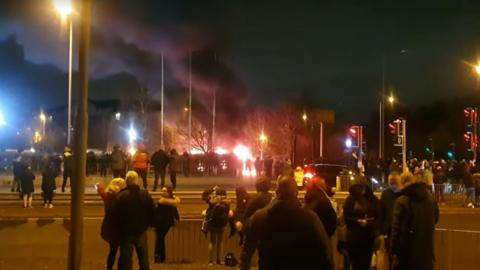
<point x="200" y="138"/>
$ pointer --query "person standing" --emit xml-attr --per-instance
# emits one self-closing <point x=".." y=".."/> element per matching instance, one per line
<point x="387" y="201"/>
<point x="133" y="212"/>
<point x="17" y="170"/>
<point x="173" y="168"/>
<point x="258" y="166"/>
<point x="218" y="215"/>
<point x="415" y="215"/>
<point x="160" y="161"/>
<point x="316" y="199"/>
<point x="118" y="162"/>
<point x="286" y="235"/>
<point x="361" y="211"/>
<point x="109" y="230"/>
<point x="166" y="216"/>
<point x="67" y="167"/>
<point x="186" y="164"/>
<point x="258" y="201"/>
<point x="242" y="198"/>
<point x="141" y="160"/>
<point x="48" y="184"/>
<point x="103" y="161"/>
<point x="27" y="186"/>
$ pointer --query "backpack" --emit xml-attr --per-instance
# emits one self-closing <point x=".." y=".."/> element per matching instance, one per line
<point x="219" y="215"/>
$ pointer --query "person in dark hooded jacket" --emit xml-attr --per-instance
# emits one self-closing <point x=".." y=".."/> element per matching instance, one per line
<point x="361" y="211"/>
<point x="316" y="199"/>
<point x="415" y="215"/>
<point x="286" y="235"/>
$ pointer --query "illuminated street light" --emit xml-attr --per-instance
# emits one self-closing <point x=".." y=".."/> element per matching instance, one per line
<point x="477" y="69"/>
<point x="304" y="117"/>
<point x="43" y="120"/>
<point x="63" y="7"/>
<point x="263" y="138"/>
<point x="391" y="99"/>
<point x="43" y="117"/>
<point x="118" y="116"/>
<point x="185" y="109"/>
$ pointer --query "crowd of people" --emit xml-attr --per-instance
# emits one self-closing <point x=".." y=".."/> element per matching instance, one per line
<point x="289" y="233"/>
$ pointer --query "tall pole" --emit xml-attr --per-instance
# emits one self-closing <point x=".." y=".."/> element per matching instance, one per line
<point x="404" y="144"/>
<point x="214" y="115"/>
<point x="381" y="129"/>
<point x="75" y="245"/>
<point x="162" y="108"/>
<point x="190" y="103"/>
<point x="214" y="109"/>
<point x="321" y="141"/>
<point x="70" y="64"/>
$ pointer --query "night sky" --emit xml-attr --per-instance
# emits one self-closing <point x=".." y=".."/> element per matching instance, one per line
<point x="325" y="54"/>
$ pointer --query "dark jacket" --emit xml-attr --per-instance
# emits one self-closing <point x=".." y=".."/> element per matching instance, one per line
<point x="166" y="216"/>
<point x="414" y="217"/>
<point x="317" y="201"/>
<point x="133" y="211"/>
<point x="256" y="202"/>
<point x="67" y="162"/>
<point x="48" y="179"/>
<point x="356" y="207"/>
<point x="26" y="181"/>
<point x="118" y="160"/>
<point x="174" y="163"/>
<point x="387" y="201"/>
<point x="287" y="237"/>
<point x="109" y="230"/>
<point x="160" y="160"/>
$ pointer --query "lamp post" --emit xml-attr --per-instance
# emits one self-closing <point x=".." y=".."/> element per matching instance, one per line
<point x="43" y="122"/>
<point x="64" y="8"/>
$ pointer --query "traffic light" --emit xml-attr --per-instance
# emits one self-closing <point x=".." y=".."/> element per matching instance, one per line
<point x="393" y="128"/>
<point x="471" y="134"/>
<point x="355" y="135"/>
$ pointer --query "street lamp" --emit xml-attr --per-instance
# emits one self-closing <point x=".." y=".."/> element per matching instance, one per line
<point x="305" y="117"/>
<point x="391" y="99"/>
<point x="65" y="9"/>
<point x="477" y="69"/>
<point x="43" y="120"/>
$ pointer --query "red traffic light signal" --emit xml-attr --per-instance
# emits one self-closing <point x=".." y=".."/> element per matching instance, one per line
<point x="393" y="128"/>
<point x="467" y="136"/>
<point x="353" y="131"/>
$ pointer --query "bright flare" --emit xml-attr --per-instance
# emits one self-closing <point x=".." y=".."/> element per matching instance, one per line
<point x="3" y="122"/>
<point x="263" y="138"/>
<point x="348" y="143"/>
<point x="43" y="117"/>
<point x="244" y="154"/>
<point x="391" y="99"/>
<point x="64" y="7"/>
<point x="132" y="135"/>
<point x="132" y="150"/>
<point x="477" y="69"/>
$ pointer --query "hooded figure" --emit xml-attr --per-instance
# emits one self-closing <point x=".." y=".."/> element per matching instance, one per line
<point x="361" y="211"/>
<point x="414" y="217"/>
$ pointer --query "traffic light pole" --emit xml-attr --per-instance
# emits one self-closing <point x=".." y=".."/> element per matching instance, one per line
<point x="404" y="145"/>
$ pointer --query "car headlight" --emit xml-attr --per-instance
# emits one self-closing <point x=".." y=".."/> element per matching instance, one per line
<point x="308" y="175"/>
